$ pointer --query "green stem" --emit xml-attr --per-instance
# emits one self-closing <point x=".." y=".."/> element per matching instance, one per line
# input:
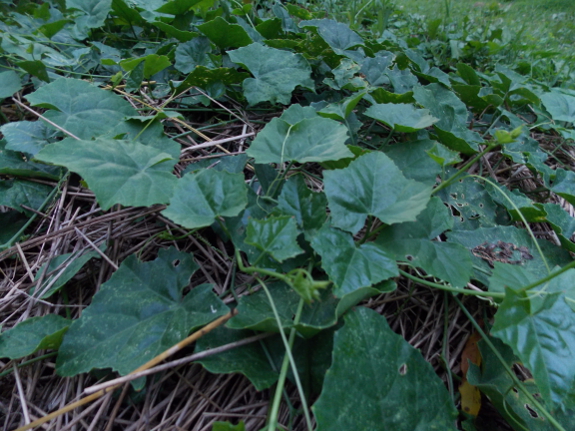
<point x="273" y="424"/>
<point x="452" y="289"/>
<point x="463" y="170"/>
<point x="283" y="372"/>
<point x="31" y="361"/>
<point x="517" y="382"/>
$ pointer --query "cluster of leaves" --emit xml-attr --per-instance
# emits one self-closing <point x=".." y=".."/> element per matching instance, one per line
<point x="372" y="121"/>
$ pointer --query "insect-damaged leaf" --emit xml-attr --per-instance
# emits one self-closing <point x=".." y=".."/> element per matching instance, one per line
<point x="348" y="266"/>
<point x="377" y="381"/>
<point x="276" y="73"/>
<point x="413" y="241"/>
<point x="33" y="334"/>
<point x="373" y="185"/>
<point x="81" y="108"/>
<point x="300" y="135"/>
<point x="118" y="172"/>
<point x="201" y="196"/>
<point x="137" y="314"/>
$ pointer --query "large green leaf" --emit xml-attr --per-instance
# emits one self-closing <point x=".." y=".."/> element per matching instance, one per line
<point x="31" y="335"/>
<point x="348" y="266"/>
<point x="402" y="117"/>
<point x="412" y="241"/>
<point x="81" y="108"/>
<point x="224" y="34"/>
<point x="276" y="73"/>
<point x="373" y="185"/>
<point x="194" y="53"/>
<point x="95" y="12"/>
<point x="377" y="381"/>
<point x="541" y="332"/>
<point x="201" y="196"/>
<point x="118" y="172"/>
<point x="302" y="136"/>
<point x="276" y="236"/>
<point x="137" y="314"/>
<point x="338" y="36"/>
<point x="561" y="106"/>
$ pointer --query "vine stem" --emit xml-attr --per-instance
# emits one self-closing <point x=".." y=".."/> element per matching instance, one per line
<point x="451" y="289"/>
<point x="508" y="369"/>
<point x="272" y="425"/>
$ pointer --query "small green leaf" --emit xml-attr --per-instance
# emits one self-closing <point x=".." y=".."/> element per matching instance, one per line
<point x="401" y="117"/>
<point x="80" y="107"/>
<point x="201" y="196"/>
<point x="564" y="185"/>
<point x="153" y="64"/>
<point x="136" y="315"/>
<point x="377" y="381"/>
<point x="276" y="236"/>
<point x="226" y="426"/>
<point x="249" y="360"/>
<point x="182" y="36"/>
<point x="337" y="35"/>
<point x="118" y="172"/>
<point x="26" y="136"/>
<point x="224" y="34"/>
<point x="35" y="68"/>
<point x="348" y="266"/>
<point x="203" y="77"/>
<point x="31" y="335"/>
<point x="442" y="155"/>
<point x="541" y="332"/>
<point x="95" y="12"/>
<point x="13" y="163"/>
<point x="194" y="53"/>
<point x="373" y="185"/>
<point x="307" y="207"/>
<point x="10" y="83"/>
<point x="15" y="193"/>
<point x="300" y="135"/>
<point x="276" y="73"/>
<point x="412" y="241"/>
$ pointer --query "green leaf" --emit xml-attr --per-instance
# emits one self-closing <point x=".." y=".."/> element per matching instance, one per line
<point x="202" y="196"/>
<point x="182" y="36"/>
<point x="224" y="34"/>
<point x="276" y="73"/>
<point x="15" y="193"/>
<point x="95" y="12"/>
<point x="342" y="110"/>
<point x="193" y="53"/>
<point x="10" y="83"/>
<point x="452" y="113"/>
<point x="64" y="267"/>
<point x="33" y="334"/>
<point x="373" y="185"/>
<point x="307" y="207"/>
<point x="561" y="106"/>
<point x="346" y="76"/>
<point x="203" y="77"/>
<point x="377" y="381"/>
<point x="118" y="172"/>
<point x="249" y="360"/>
<point x="413" y="160"/>
<point x="564" y="185"/>
<point x="302" y="136"/>
<point x="442" y="155"/>
<point x="541" y="332"/>
<point x="80" y="108"/>
<point x="412" y="241"/>
<point x="403" y="118"/>
<point x="26" y="136"/>
<point x="276" y="236"/>
<point x="35" y="68"/>
<point x="136" y="315"/>
<point x="337" y="35"/>
<point x="177" y="7"/>
<point x="12" y="163"/>
<point x="153" y="63"/>
<point x="10" y="224"/>
<point x="348" y="266"/>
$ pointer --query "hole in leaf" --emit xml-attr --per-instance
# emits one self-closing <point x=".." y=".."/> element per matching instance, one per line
<point x="480" y="205"/>
<point x="461" y="181"/>
<point x="409" y="257"/>
<point x="403" y="369"/>
<point x="532" y="412"/>
<point x="453" y="195"/>
<point x="176" y="262"/>
<point x="515" y="390"/>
